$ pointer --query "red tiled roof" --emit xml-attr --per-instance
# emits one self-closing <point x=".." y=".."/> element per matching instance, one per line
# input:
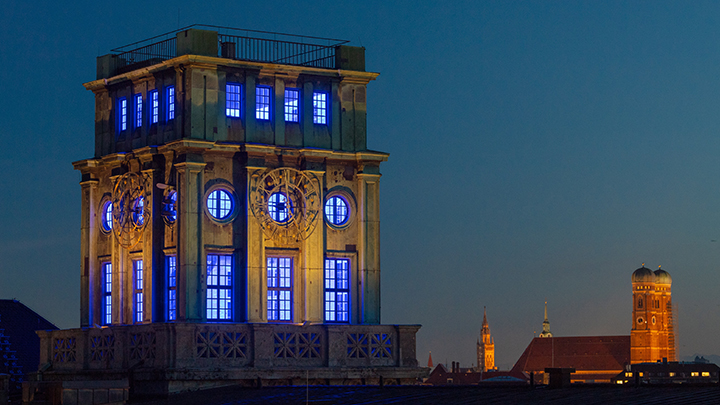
<point x="584" y="353"/>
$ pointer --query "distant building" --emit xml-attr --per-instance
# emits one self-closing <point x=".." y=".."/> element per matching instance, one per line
<point x="18" y="341"/>
<point x="546" y="325"/>
<point x="652" y="337"/>
<point x="485" y="347"/>
<point x="471" y="376"/>
<point x="669" y="372"/>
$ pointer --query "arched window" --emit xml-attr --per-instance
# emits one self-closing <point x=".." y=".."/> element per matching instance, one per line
<point x="640" y="303"/>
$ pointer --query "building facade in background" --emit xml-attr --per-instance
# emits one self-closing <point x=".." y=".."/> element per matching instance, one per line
<point x="230" y="219"/>
<point x="485" y="347"/>
<point x="652" y="337"/>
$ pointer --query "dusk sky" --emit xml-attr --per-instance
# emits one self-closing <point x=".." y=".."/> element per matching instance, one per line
<point x="538" y="151"/>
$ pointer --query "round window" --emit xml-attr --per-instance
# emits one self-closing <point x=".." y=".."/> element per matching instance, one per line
<point x="280" y="208"/>
<point x="170" y="207"/>
<point x="336" y="210"/>
<point x="107" y="219"/>
<point x="653" y="320"/>
<point x="220" y="204"/>
<point x="640" y="320"/>
<point x="138" y="211"/>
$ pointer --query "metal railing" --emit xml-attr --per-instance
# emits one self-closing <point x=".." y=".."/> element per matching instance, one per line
<point x="233" y="43"/>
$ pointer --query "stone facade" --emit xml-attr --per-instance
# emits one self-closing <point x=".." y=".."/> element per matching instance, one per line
<point x="210" y="169"/>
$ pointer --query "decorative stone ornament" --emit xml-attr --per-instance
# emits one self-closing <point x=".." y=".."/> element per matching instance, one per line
<point x="129" y="212"/>
<point x="286" y="202"/>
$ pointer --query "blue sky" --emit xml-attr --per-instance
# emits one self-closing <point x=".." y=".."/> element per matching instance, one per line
<point x="538" y="151"/>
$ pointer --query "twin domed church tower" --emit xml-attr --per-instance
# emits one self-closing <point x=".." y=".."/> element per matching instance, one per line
<point x="652" y="337"/>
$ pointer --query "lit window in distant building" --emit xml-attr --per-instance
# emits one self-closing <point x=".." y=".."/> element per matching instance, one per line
<point x="694" y="374"/>
<point x="107" y="216"/>
<point x="337" y="290"/>
<point x="155" y="106"/>
<point x="706" y="374"/>
<point x="671" y="374"/>
<point x="170" y="102"/>
<point x="220" y="204"/>
<point x="336" y="210"/>
<point x="279" y="207"/>
<point x="319" y="108"/>
<point x="138" y="290"/>
<point x="292" y="105"/>
<point x="122" y="114"/>
<point x="262" y="103"/>
<point x="138" y="111"/>
<point x="106" y="281"/>
<point x="279" y="288"/>
<point x="172" y="287"/>
<point x="138" y="215"/>
<point x="232" y="100"/>
<point x="219" y="287"/>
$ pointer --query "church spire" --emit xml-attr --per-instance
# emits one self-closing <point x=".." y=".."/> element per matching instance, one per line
<point x="546" y="325"/>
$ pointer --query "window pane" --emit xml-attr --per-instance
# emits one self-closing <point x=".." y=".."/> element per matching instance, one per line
<point x="319" y="108"/>
<point x="292" y="105"/>
<point x="232" y="100"/>
<point x="219" y="287"/>
<point x="337" y="294"/>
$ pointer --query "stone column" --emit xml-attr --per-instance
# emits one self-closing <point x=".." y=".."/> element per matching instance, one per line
<point x="89" y="305"/>
<point x="369" y="244"/>
<point x="190" y="274"/>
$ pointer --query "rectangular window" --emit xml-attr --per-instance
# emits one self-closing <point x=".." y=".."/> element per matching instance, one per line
<point x="706" y="374"/>
<point x="337" y="290"/>
<point x="106" y="318"/>
<point x="155" y="105"/>
<point x="172" y="287"/>
<point x="138" y="290"/>
<point x="232" y="100"/>
<point x="138" y="111"/>
<point x="694" y="374"/>
<point x="292" y="105"/>
<point x="319" y="108"/>
<point x="219" y="287"/>
<point x="170" y="102"/>
<point x="279" y="288"/>
<point x="262" y="103"/>
<point x="122" y="114"/>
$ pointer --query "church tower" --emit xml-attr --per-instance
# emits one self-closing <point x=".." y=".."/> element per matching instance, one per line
<point x="546" y="325"/>
<point x="652" y="337"/>
<point x="485" y="347"/>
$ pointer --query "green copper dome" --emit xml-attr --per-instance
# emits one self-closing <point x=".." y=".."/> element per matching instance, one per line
<point x="643" y="275"/>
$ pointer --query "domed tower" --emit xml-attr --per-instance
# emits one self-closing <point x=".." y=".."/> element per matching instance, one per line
<point x="651" y="336"/>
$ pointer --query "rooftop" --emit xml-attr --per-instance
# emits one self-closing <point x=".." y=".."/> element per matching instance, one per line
<point x="234" y="43"/>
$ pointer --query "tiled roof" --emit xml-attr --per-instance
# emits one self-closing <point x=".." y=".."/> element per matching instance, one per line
<point x="585" y="353"/>
<point x="21" y="348"/>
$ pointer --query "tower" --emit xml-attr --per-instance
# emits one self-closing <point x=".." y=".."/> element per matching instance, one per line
<point x="485" y="347"/>
<point x="230" y="214"/>
<point x="652" y="336"/>
<point x="546" y="325"/>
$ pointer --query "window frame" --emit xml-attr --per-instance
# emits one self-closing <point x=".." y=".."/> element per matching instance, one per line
<point x="288" y="107"/>
<point x="106" y="219"/>
<point x="106" y="283"/>
<point x="138" y="110"/>
<point x="154" y="107"/>
<point x="122" y="115"/>
<point x="320" y="112"/>
<point x="274" y="285"/>
<point x="218" y="202"/>
<point x="233" y="111"/>
<point x="138" y="286"/>
<point x="171" y="277"/>
<point x="263" y="100"/>
<point x="170" y="103"/>
<point x="218" y="288"/>
<point x="332" y="307"/>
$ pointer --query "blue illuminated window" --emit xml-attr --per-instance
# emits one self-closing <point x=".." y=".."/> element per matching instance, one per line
<point x="279" y="288"/>
<point x="122" y="114"/>
<point x="262" y="103"/>
<point x="292" y="105"/>
<point x="155" y="106"/>
<point x="170" y="262"/>
<point x="337" y="290"/>
<point x="319" y="108"/>
<point x="170" y="102"/>
<point x="138" y="215"/>
<point x="107" y="216"/>
<point x="336" y="210"/>
<point x="220" y="204"/>
<point x="106" y="282"/>
<point x="232" y="100"/>
<point x="138" y="110"/>
<point x="279" y="207"/>
<point x="170" y="207"/>
<point x="219" y="287"/>
<point x="138" y="290"/>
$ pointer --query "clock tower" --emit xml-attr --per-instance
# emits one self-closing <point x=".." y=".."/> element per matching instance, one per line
<point x="652" y="336"/>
